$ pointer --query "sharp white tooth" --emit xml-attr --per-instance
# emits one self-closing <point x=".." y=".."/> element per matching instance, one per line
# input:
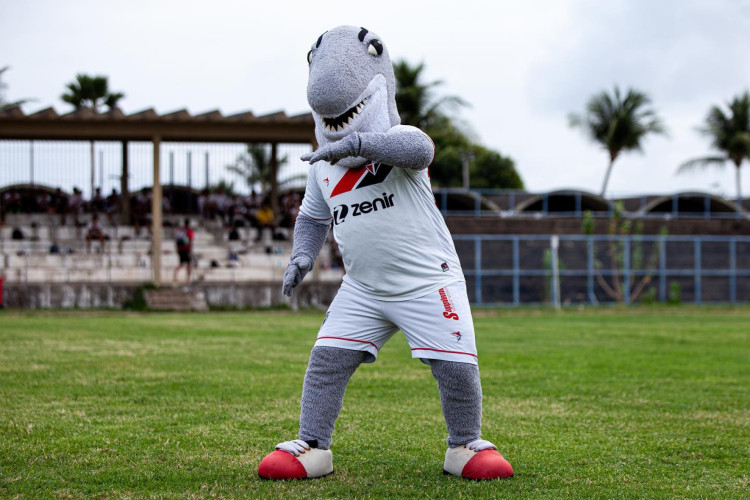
<point x="349" y="122"/>
<point x="329" y="128"/>
<point x="339" y="128"/>
<point x="359" y="107"/>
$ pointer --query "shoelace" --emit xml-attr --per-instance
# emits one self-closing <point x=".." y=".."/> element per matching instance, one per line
<point x="480" y="444"/>
<point x="295" y="447"/>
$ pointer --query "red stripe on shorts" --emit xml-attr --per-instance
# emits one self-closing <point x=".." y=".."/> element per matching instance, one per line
<point x="440" y="350"/>
<point x="352" y="340"/>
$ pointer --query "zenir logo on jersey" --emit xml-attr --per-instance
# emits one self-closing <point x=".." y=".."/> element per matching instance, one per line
<point x="356" y="178"/>
<point x="340" y="212"/>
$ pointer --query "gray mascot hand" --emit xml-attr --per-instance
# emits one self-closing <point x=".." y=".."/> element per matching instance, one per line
<point x="295" y="273"/>
<point x="334" y="151"/>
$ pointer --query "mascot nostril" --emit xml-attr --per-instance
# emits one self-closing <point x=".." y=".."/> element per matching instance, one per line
<point x="368" y="180"/>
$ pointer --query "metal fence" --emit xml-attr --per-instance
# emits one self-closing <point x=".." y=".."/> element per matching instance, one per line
<point x="69" y="164"/>
<point x="576" y="269"/>
<point x="573" y="203"/>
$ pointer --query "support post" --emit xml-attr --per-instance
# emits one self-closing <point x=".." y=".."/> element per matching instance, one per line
<point x="101" y="171"/>
<point x="171" y="178"/>
<point x="478" y="270"/>
<point x="93" y="169"/>
<point x="626" y="270"/>
<point x="274" y="174"/>
<point x="554" y="246"/>
<point x="31" y="161"/>
<point x="156" y="203"/>
<point x="662" y="269"/>
<point x="124" y="189"/>
<point x="208" y="182"/>
<point x="516" y="272"/>
<point x="697" y="270"/>
<point x="590" y="271"/>
<point x="732" y="270"/>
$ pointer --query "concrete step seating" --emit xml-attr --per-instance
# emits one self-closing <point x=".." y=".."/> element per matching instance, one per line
<point x="128" y="259"/>
<point x="176" y="299"/>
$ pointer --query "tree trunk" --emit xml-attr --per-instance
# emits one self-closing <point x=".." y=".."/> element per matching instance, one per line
<point x="606" y="177"/>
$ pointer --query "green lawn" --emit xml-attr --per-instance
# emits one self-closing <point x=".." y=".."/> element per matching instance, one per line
<point x="625" y="403"/>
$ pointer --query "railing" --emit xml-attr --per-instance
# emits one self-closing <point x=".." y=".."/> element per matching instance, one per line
<point x="506" y="203"/>
<point x="533" y="269"/>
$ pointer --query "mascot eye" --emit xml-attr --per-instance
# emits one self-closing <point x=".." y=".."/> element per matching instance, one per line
<point x="375" y="48"/>
<point x="309" y="57"/>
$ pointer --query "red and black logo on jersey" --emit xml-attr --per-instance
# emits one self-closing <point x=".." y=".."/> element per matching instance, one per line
<point x="340" y="212"/>
<point x="356" y="178"/>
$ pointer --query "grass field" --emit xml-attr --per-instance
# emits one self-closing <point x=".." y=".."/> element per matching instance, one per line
<point x="610" y="403"/>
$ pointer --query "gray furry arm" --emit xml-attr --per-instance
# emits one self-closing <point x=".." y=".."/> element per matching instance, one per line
<point x="402" y="146"/>
<point x="309" y="237"/>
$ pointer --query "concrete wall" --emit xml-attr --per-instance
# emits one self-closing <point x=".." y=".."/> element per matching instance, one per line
<point x="570" y="225"/>
<point x="114" y="295"/>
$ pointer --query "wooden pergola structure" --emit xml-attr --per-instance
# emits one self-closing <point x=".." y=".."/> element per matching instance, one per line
<point x="149" y="126"/>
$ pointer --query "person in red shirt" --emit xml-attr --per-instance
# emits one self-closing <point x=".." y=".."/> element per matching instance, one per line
<point x="184" y="242"/>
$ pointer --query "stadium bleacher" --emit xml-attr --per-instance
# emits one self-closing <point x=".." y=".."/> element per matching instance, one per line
<point x="48" y="252"/>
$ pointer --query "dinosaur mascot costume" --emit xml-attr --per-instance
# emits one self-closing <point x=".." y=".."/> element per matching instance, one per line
<point x="369" y="180"/>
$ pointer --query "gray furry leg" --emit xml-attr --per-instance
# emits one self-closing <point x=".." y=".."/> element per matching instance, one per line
<point x="461" y="398"/>
<point x="328" y="373"/>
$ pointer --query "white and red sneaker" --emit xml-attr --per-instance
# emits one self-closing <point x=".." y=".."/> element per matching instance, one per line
<point x="296" y="460"/>
<point x="478" y="460"/>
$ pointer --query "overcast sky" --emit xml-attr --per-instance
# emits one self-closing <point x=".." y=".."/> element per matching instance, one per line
<point x="522" y="65"/>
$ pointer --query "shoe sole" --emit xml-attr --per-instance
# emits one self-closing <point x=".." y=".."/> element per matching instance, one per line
<point x="446" y="473"/>
<point x="295" y="479"/>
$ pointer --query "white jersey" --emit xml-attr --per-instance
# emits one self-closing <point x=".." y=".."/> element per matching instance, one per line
<point x="392" y="237"/>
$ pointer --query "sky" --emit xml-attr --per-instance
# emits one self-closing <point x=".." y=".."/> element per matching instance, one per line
<point x="523" y="66"/>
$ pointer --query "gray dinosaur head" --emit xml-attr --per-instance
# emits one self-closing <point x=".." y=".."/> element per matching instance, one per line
<point x="351" y="86"/>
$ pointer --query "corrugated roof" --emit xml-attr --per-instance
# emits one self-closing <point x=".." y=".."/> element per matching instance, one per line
<point x="179" y="125"/>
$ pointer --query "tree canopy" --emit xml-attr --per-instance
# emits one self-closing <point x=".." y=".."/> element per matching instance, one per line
<point x="418" y="105"/>
<point x="3" y="103"/>
<point x="254" y="166"/>
<point x="729" y="133"/>
<point x="618" y="123"/>
<point x="91" y="92"/>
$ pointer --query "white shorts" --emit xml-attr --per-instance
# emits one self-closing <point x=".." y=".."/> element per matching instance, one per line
<point x="437" y="325"/>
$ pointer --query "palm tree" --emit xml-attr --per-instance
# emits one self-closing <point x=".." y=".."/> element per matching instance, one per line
<point x="618" y="124"/>
<point x="3" y="103"/>
<point x="254" y="166"/>
<point x="729" y="134"/>
<point x="91" y="92"/>
<point x="415" y="99"/>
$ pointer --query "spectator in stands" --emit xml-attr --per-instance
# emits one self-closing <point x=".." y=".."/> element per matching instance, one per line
<point x="292" y="202"/>
<point x="265" y="218"/>
<point x="221" y="201"/>
<point x="43" y="202"/>
<point x="203" y="203"/>
<point x="98" y="203"/>
<point x="12" y="202"/>
<point x="60" y="203"/>
<point x="112" y="206"/>
<point x="184" y="242"/>
<point x="237" y="212"/>
<point x="95" y="232"/>
<point x="140" y="209"/>
<point x="75" y="206"/>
